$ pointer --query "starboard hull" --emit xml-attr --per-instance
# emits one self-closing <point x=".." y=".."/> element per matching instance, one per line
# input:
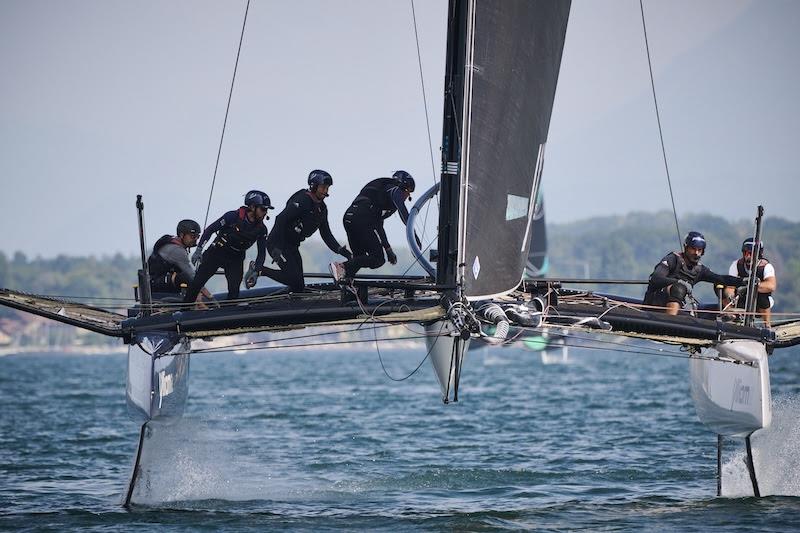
<point x="731" y="388"/>
<point x="158" y="377"/>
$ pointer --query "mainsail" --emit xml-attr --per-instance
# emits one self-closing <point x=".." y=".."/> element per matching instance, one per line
<point x="513" y="54"/>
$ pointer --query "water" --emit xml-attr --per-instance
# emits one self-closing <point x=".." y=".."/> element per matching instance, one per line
<point x="323" y="440"/>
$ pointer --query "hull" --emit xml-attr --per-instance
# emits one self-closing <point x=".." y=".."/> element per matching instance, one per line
<point x="732" y="393"/>
<point x="447" y="355"/>
<point x="158" y="377"/>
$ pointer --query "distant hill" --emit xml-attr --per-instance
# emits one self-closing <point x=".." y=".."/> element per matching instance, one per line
<point x="629" y="247"/>
<point x="619" y="247"/>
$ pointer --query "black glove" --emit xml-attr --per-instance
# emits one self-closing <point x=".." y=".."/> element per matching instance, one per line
<point x="197" y="256"/>
<point x="741" y="291"/>
<point x="251" y="277"/>
<point x="277" y="257"/>
<point x="344" y="252"/>
<point x="390" y="255"/>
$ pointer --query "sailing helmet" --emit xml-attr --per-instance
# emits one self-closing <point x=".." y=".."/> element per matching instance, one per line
<point x="187" y="226"/>
<point x="695" y="239"/>
<point x="319" y="177"/>
<point x="257" y="199"/>
<point x="404" y="180"/>
<point x="747" y="245"/>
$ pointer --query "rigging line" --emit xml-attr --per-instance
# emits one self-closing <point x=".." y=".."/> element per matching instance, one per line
<point x="644" y="350"/>
<point x="658" y="119"/>
<point x="427" y="120"/>
<point x="416" y="259"/>
<point x="424" y="97"/>
<point x="386" y="372"/>
<point x="227" y="109"/>
<point x="297" y="337"/>
<point x="312" y="344"/>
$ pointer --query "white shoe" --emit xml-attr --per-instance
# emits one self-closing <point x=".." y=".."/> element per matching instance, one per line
<point x="337" y="271"/>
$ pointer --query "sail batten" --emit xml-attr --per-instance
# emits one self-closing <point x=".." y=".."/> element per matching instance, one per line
<point x="512" y="57"/>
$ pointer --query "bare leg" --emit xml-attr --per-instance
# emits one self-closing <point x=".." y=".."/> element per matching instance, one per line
<point x="766" y="314"/>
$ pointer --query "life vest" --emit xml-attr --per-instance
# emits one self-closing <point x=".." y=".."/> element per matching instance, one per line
<point x="157" y="265"/>
<point x="685" y="272"/>
<point x="681" y="270"/>
<point x="743" y="273"/>
<point x="240" y="235"/>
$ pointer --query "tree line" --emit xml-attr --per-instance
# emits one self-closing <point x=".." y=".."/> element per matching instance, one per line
<point x="614" y="247"/>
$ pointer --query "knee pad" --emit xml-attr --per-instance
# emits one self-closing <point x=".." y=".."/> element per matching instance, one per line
<point x="677" y="293"/>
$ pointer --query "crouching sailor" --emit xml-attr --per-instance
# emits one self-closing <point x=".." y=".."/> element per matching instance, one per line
<point x="765" y="278"/>
<point x="674" y="278"/>
<point x="363" y="222"/>
<point x="236" y="232"/>
<point x="304" y="214"/>
<point x="169" y="264"/>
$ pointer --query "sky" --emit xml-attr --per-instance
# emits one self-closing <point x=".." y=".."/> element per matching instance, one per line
<point x="101" y="100"/>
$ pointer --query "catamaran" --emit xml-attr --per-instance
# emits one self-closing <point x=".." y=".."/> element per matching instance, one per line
<point x="503" y="60"/>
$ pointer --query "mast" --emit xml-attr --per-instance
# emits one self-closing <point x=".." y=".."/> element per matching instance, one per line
<point x="451" y="142"/>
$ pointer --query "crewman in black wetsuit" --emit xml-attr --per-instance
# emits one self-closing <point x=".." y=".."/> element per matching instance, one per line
<point x="304" y="214"/>
<point x="675" y="276"/>
<point x="236" y="232"/>
<point x="363" y="222"/>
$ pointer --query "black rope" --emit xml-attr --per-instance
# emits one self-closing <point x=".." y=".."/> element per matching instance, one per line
<point x="227" y="109"/>
<point x="254" y="344"/>
<point x="386" y="372"/>
<point x="658" y="119"/>
<point x="310" y="344"/>
<point x="427" y="124"/>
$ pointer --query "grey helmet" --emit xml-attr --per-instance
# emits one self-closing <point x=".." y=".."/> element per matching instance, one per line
<point x="187" y="226"/>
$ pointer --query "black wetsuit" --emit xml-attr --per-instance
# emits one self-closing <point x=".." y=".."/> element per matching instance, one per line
<point x="235" y="234"/>
<point x="674" y="267"/>
<point x="300" y="219"/>
<point x="363" y="222"/>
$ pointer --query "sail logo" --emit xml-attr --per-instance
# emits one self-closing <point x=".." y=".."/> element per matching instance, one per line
<point x="741" y="393"/>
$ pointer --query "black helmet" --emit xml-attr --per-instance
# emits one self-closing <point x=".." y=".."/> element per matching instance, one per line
<point x="695" y="239"/>
<point x="319" y="177"/>
<point x="404" y="180"/>
<point x="187" y="226"/>
<point x="748" y="245"/>
<point x="257" y="199"/>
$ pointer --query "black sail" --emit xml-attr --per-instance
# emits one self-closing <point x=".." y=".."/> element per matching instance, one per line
<point x="513" y="54"/>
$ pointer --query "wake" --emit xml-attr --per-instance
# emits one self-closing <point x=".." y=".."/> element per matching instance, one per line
<point x="776" y="454"/>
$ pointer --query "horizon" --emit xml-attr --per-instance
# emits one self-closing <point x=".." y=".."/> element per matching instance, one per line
<point x="91" y="114"/>
<point x="317" y="243"/>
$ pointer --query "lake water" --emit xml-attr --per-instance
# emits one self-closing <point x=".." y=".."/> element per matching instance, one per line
<point x="316" y="440"/>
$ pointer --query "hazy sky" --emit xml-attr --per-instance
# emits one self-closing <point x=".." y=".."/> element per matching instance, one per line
<point x="101" y="100"/>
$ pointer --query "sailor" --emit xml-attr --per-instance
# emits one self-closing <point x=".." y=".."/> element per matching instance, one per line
<point x="766" y="282"/>
<point x="236" y="232"/>
<point x="363" y="222"/>
<point x="304" y="214"/>
<point x="674" y="278"/>
<point x="169" y="264"/>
